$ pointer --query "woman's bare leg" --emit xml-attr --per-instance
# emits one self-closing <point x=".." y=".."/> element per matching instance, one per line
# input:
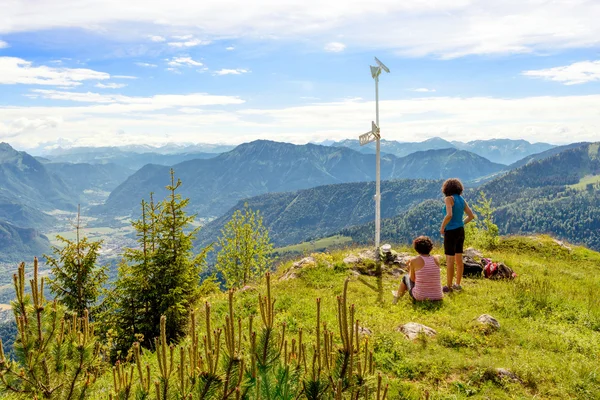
<point x="459" y="268"/>
<point x="400" y="293"/>
<point x="449" y="270"/>
<point x="402" y="289"/>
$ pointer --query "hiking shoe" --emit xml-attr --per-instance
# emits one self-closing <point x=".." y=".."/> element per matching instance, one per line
<point x="446" y="289"/>
<point x="395" y="294"/>
<point x="456" y="287"/>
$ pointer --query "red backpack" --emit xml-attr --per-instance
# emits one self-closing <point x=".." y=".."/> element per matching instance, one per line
<point x="493" y="270"/>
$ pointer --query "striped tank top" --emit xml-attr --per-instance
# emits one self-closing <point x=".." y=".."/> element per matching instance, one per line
<point x="427" y="281"/>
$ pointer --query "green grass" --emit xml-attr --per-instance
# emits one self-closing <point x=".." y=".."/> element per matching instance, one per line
<point x="549" y="316"/>
<point x="325" y="243"/>
<point x="589" y="179"/>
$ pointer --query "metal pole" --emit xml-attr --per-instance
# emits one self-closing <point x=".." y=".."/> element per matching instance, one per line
<point x="377" y="172"/>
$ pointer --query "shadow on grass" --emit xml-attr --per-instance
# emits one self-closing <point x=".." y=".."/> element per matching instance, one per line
<point x="428" y="305"/>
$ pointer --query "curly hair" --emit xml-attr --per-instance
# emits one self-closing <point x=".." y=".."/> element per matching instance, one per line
<point x="423" y="245"/>
<point x="452" y="186"/>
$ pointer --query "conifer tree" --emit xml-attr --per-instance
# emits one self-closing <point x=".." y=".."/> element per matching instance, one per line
<point x="77" y="281"/>
<point x="245" y="248"/>
<point x="56" y="354"/>
<point x="161" y="276"/>
<point x="174" y="272"/>
<point x="130" y="296"/>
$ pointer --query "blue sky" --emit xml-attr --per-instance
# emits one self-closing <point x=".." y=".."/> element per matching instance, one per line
<point x="103" y="73"/>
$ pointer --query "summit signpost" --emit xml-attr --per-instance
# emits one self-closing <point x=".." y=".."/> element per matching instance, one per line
<point x="370" y="136"/>
<point x="375" y="136"/>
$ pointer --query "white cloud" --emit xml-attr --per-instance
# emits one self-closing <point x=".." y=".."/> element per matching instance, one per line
<point x="96" y="119"/>
<point x="574" y="74"/>
<point x="3" y="44"/>
<point x="15" y="70"/>
<point x="183" y="62"/>
<point x="124" y="77"/>
<point x="157" y="39"/>
<point x="110" y="85"/>
<point x="230" y="48"/>
<point x="422" y="90"/>
<point x="335" y="47"/>
<point x="412" y="27"/>
<point x="237" y="71"/>
<point x="189" y="43"/>
<point x="144" y="64"/>
<point x="161" y="100"/>
<point x="22" y="125"/>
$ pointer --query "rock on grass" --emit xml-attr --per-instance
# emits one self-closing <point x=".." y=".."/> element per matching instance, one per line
<point x="412" y="330"/>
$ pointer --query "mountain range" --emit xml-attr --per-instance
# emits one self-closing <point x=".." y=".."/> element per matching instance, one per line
<point x="303" y="191"/>
<point x="544" y="154"/>
<point x="82" y="177"/>
<point x="214" y="185"/>
<point x="557" y="195"/>
<point x="293" y="217"/>
<point x="27" y="181"/>
<point x="123" y="157"/>
<point x="168" y="148"/>
<point x="502" y="151"/>
<point x="19" y="244"/>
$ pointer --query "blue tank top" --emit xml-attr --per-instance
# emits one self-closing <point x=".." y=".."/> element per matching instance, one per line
<point x="458" y="213"/>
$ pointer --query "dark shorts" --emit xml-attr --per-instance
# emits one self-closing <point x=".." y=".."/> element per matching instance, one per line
<point x="409" y="284"/>
<point x="454" y="240"/>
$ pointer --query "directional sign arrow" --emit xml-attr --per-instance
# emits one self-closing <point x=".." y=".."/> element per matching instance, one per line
<point x="370" y="136"/>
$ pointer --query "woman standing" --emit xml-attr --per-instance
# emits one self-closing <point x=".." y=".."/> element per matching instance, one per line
<point x="453" y="231"/>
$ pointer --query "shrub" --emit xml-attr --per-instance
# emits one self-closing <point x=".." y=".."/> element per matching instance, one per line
<point x="483" y="232"/>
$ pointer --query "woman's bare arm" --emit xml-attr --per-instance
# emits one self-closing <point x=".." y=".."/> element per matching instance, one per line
<point x="449" y="201"/>
<point x="411" y="270"/>
<point x="470" y="215"/>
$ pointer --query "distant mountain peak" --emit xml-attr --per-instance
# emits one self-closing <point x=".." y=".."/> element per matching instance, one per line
<point x="8" y="153"/>
<point x="437" y="139"/>
<point x="6" y="147"/>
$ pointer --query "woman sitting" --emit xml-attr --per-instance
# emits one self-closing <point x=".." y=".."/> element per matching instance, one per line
<point x="423" y="279"/>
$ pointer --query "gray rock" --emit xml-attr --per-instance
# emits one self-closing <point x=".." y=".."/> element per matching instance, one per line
<point x="562" y="244"/>
<point x="359" y="264"/>
<point x="402" y="260"/>
<point x="364" y="331"/>
<point x="488" y="320"/>
<point x="368" y="255"/>
<point x="412" y="330"/>
<point x="351" y="259"/>
<point x="472" y="253"/>
<point x="504" y="373"/>
<point x="304" y="262"/>
<point x="292" y="272"/>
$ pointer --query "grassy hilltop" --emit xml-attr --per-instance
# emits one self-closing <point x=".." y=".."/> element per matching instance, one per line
<point x="549" y="336"/>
